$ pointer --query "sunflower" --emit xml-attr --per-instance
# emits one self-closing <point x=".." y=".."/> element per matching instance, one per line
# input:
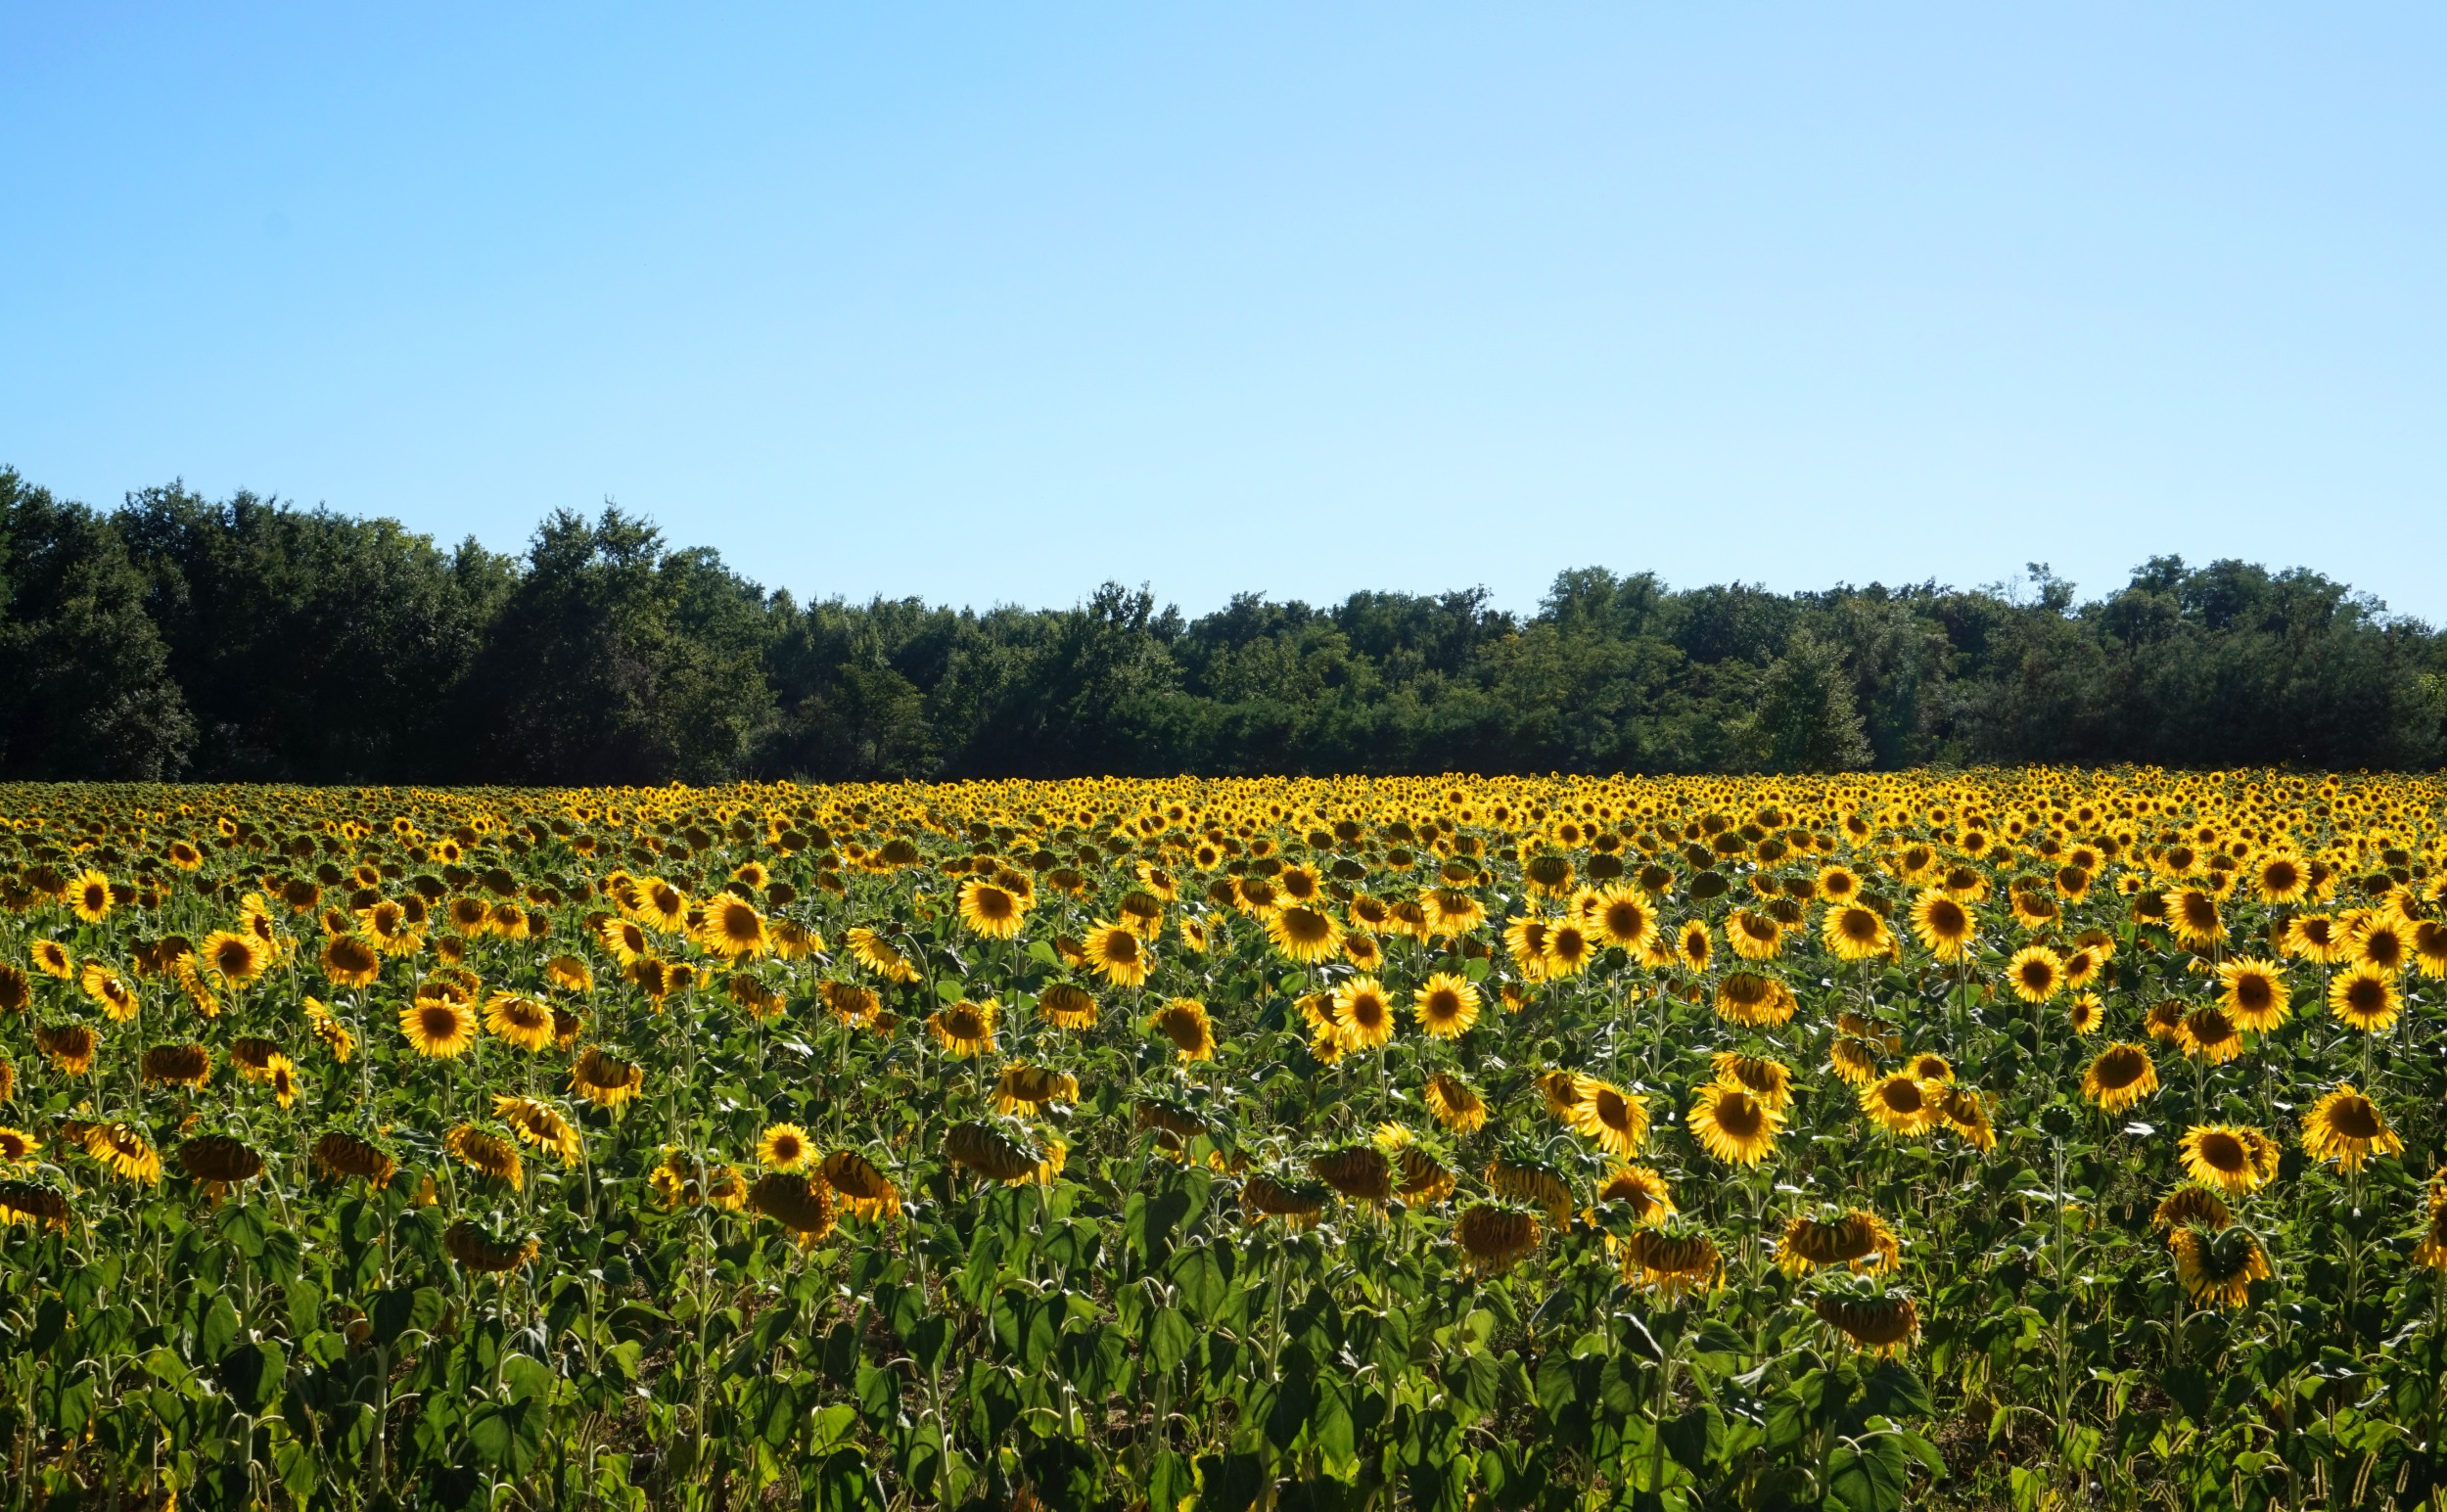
<point x="2236" y="1160"/>
<point x="849" y="1003"/>
<point x="1525" y="941"/>
<point x="864" y="1189"/>
<point x="1298" y="1204"/>
<point x="1754" y="936"/>
<point x="1446" y="911"/>
<point x="1494" y="1236"/>
<point x="733" y="929"/>
<point x="2382" y="942"/>
<point x="71" y="1046"/>
<point x="1856" y="933"/>
<point x="1024" y="1088"/>
<point x="348" y="961"/>
<point x="2348" y="1128"/>
<point x="487" y="1154"/>
<point x="1754" y="1000"/>
<point x="1854" y="1060"/>
<point x="2253" y="994"/>
<point x="1944" y="925"/>
<point x="2216" y="1268"/>
<point x="188" y="1065"/>
<point x="18" y="1147"/>
<point x="1451" y="1102"/>
<point x="1445" y="1006"/>
<point x="486" y="1254"/>
<point x="34" y="1204"/>
<point x="1642" y="1191"/>
<point x="328" y="1029"/>
<point x="1857" y="1239"/>
<point x="1304" y="933"/>
<point x="1359" y="1174"/>
<point x="1875" y="1319"/>
<point x="2429" y="946"/>
<point x="439" y="1028"/>
<point x="2121" y="1076"/>
<point x="623" y="939"/>
<point x="2365" y="997"/>
<point x="1004" y="1153"/>
<point x="1732" y="1125"/>
<point x="1183" y="1021"/>
<point x="280" y="1073"/>
<point x="1671" y="1257"/>
<point x="799" y="1203"/>
<point x="1901" y="1103"/>
<point x="870" y="950"/>
<point x="2316" y="938"/>
<point x="1067" y="1006"/>
<point x="1364" y="1014"/>
<point x="965" y="1029"/>
<point x="110" y="990"/>
<point x="2282" y="878"/>
<point x="1770" y="1082"/>
<point x="1618" y="1121"/>
<point x="1623" y="917"/>
<point x="603" y="1081"/>
<point x="1530" y="1180"/>
<point x="236" y="959"/>
<point x="2036" y="973"/>
<point x="123" y="1151"/>
<point x="52" y="959"/>
<point x="784" y="1147"/>
<point x="89" y="897"/>
<point x="219" y="1162"/>
<point x="1692" y="945"/>
<point x="1118" y="954"/>
<point x="2191" y="1204"/>
<point x="2086" y="1013"/>
<point x="540" y="1125"/>
<point x="1965" y="1111"/>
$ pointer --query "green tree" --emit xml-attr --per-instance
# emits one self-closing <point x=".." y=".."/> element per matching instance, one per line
<point x="88" y="691"/>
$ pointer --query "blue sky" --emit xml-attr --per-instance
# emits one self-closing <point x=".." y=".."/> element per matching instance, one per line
<point x="994" y="303"/>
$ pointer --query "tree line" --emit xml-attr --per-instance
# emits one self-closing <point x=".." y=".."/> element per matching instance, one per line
<point x="252" y="640"/>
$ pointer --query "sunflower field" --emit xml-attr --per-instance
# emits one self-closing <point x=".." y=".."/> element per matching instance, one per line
<point x="2006" y="1138"/>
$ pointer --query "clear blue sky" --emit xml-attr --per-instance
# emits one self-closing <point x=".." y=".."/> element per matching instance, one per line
<point x="992" y="303"/>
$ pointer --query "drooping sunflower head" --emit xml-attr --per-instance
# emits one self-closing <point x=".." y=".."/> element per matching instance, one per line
<point x="1067" y="1005"/>
<point x="1754" y="999"/>
<point x="1672" y="1256"/>
<point x="604" y="1081"/>
<point x="1453" y="1104"/>
<point x="487" y="1154"/>
<point x="865" y="1192"/>
<point x="1030" y="1089"/>
<point x="1494" y="1236"/>
<point x="1856" y="1238"/>
<point x="1878" y="1319"/>
<point x="1769" y="1080"/>
<point x="2217" y="1266"/>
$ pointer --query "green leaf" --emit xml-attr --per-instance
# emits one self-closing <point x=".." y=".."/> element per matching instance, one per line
<point x="1871" y="1481"/>
<point x="1169" y="1339"/>
<point x="251" y="1374"/>
<point x="507" y="1435"/>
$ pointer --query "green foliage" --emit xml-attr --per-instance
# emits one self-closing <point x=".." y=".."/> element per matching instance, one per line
<point x="253" y="640"/>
